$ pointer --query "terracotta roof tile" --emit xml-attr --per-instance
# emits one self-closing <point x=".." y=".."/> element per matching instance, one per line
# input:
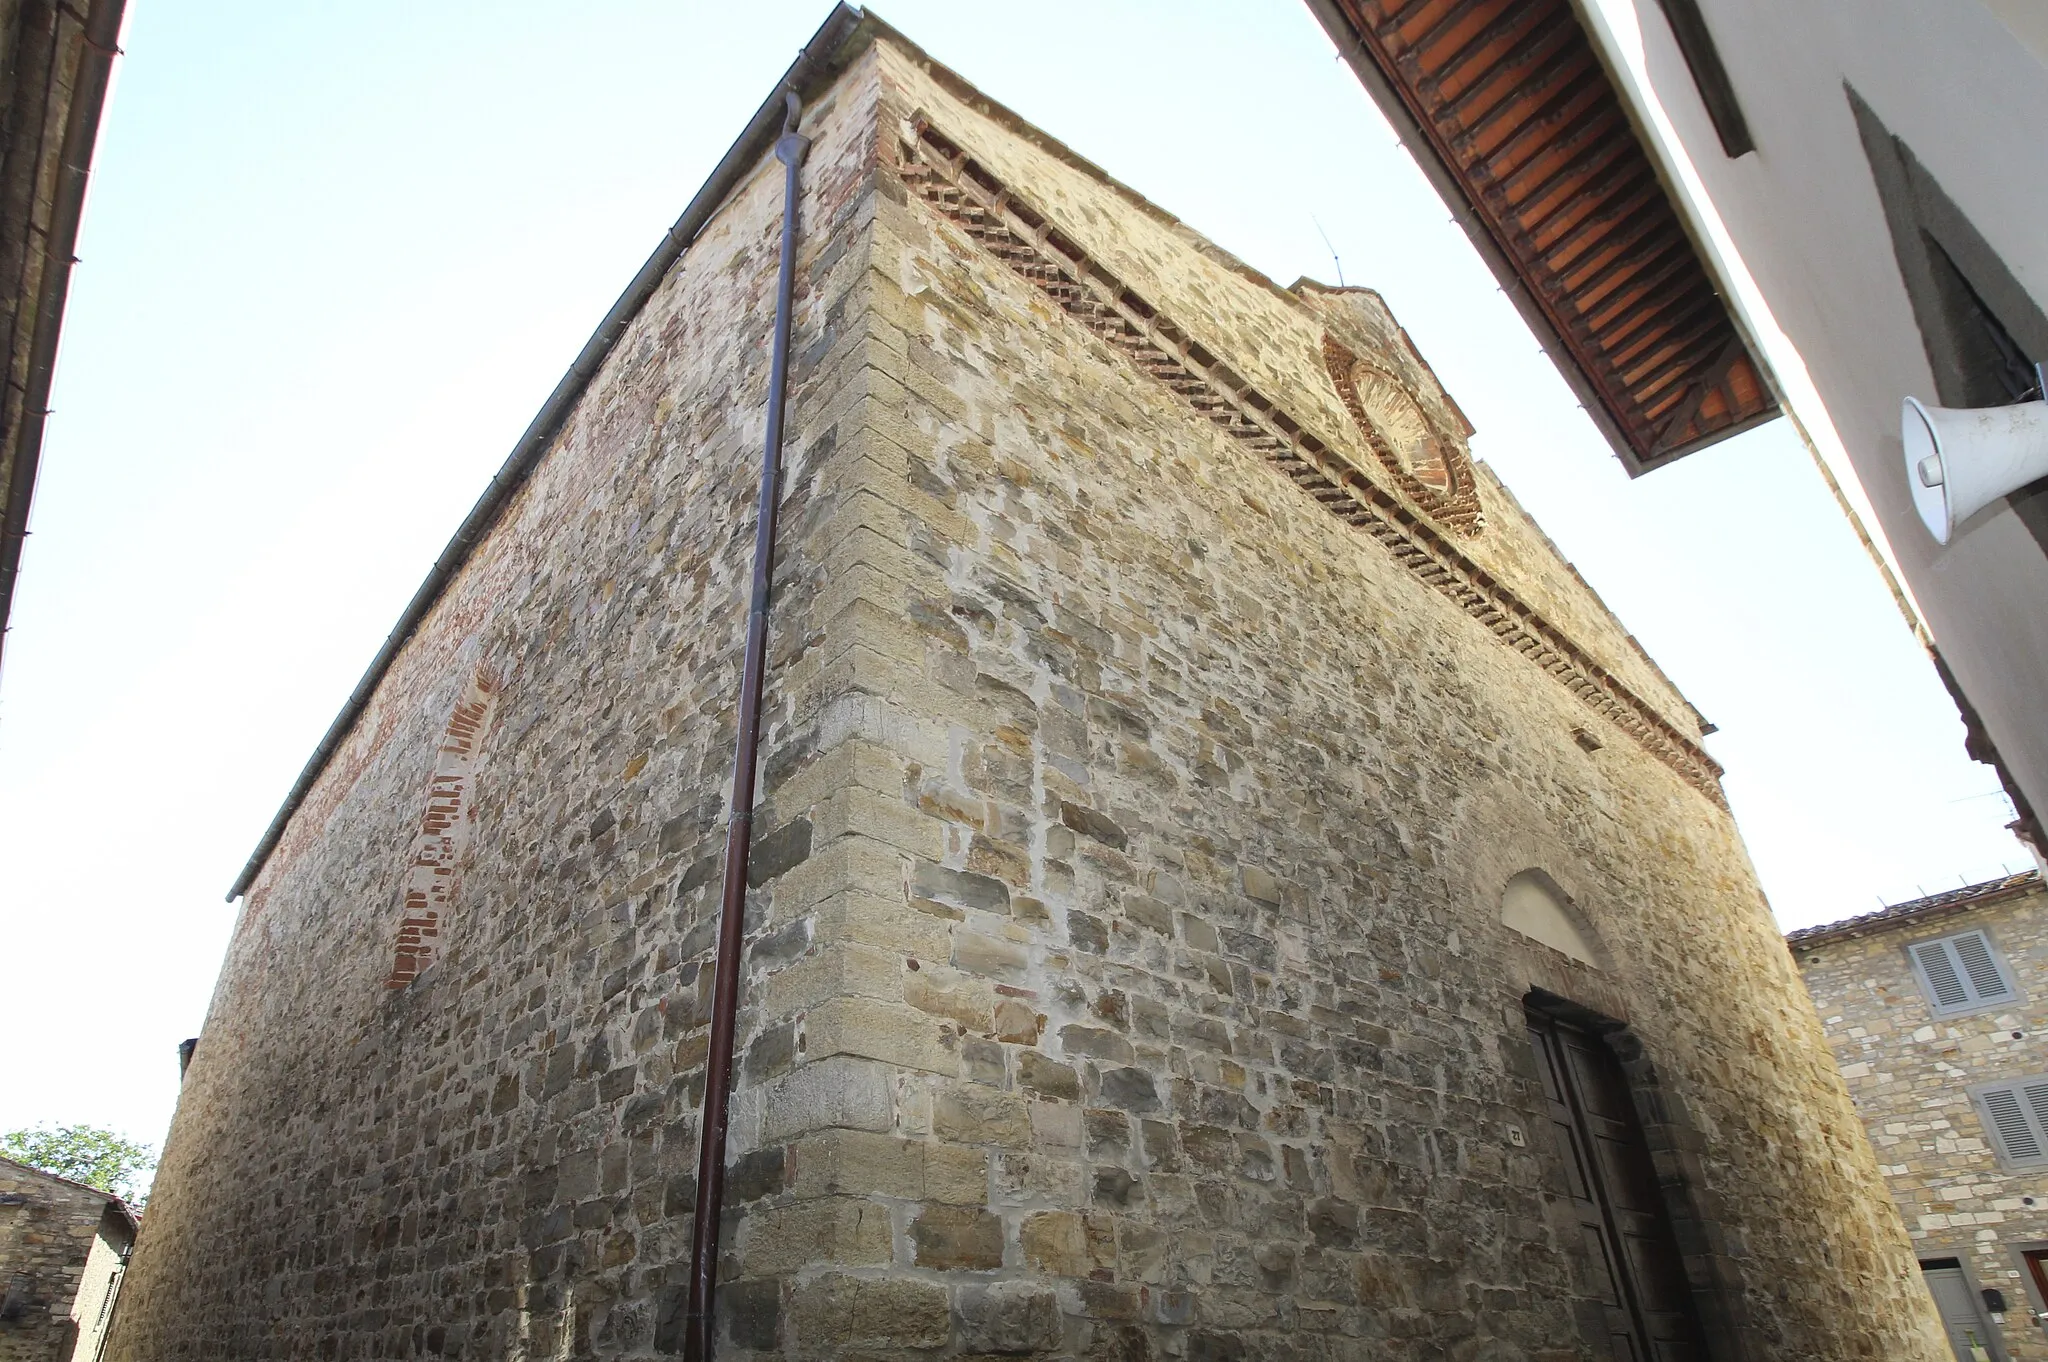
<point x="1951" y="900"/>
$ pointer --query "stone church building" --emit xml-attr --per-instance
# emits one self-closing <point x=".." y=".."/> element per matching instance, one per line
<point x="1222" y="887"/>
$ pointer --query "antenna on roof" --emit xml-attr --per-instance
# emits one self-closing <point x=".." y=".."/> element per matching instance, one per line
<point x="1333" y="249"/>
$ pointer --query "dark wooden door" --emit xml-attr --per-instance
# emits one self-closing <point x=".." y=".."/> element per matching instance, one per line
<point x="1638" y="1275"/>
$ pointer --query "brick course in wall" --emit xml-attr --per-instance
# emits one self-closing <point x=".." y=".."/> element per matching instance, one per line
<point x="1910" y="1072"/>
<point x="1126" y="973"/>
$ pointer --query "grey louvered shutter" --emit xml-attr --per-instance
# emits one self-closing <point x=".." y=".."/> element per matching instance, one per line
<point x="2035" y="1090"/>
<point x="1986" y="980"/>
<point x="1961" y="972"/>
<point x="2010" y="1126"/>
<point x="1944" y="980"/>
<point x="2017" y="1115"/>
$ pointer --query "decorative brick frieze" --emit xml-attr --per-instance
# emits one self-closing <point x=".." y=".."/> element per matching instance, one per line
<point x="970" y="195"/>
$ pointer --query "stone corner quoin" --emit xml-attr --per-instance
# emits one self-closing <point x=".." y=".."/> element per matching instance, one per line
<point x="1151" y="727"/>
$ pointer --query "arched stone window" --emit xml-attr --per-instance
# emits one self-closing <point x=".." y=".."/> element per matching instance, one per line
<point x="1532" y="904"/>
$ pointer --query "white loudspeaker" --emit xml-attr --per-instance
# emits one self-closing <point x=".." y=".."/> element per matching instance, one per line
<point x="1961" y="459"/>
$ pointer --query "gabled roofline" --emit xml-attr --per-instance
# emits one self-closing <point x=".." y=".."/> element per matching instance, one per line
<point x="114" y="1203"/>
<point x="816" y="63"/>
<point x="1914" y="912"/>
<point x="845" y="33"/>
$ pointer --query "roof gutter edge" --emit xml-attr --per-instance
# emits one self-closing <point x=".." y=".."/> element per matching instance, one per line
<point x="101" y="35"/>
<point x="739" y="161"/>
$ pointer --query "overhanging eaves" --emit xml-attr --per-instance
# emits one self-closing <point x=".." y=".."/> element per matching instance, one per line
<point x="1512" y="115"/>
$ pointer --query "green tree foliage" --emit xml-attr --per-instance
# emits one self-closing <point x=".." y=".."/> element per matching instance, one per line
<point x="98" y="1158"/>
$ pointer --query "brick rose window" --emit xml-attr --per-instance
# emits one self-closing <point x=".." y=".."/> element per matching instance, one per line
<point x="1427" y="462"/>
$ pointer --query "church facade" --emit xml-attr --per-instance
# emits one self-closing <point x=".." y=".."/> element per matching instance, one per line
<point x="1222" y="886"/>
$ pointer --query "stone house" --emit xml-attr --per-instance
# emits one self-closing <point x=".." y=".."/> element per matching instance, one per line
<point x="1222" y="886"/>
<point x="63" y="1250"/>
<point x="1936" y="1010"/>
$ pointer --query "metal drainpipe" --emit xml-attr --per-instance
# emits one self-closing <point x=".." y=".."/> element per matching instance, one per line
<point x="725" y="985"/>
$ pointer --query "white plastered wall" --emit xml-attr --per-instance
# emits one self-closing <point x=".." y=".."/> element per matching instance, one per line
<point x="1965" y="86"/>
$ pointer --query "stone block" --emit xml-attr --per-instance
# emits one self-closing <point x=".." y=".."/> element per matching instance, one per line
<point x="1067" y="1243"/>
<point x="955" y="1174"/>
<point x="880" y="920"/>
<point x="960" y="888"/>
<point x="843" y="1231"/>
<point x="883" y="817"/>
<point x="1056" y="1126"/>
<point x="957" y="1238"/>
<point x="969" y="1002"/>
<point x="752" y="1312"/>
<point x="872" y="1029"/>
<point x="1259" y="884"/>
<point x="838" y="969"/>
<point x="972" y="1114"/>
<point x="1016" y="1022"/>
<point x="993" y="957"/>
<point x="1008" y="1318"/>
<point x="1131" y="1089"/>
<point x="838" y="1091"/>
<point x="838" y="1315"/>
<point x="859" y="1163"/>
<point x="1047" y="1077"/>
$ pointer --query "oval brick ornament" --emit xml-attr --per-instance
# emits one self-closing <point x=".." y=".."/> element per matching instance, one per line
<point x="1427" y="462"/>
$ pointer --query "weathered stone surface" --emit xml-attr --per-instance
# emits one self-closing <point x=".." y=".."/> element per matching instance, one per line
<point x="972" y="1114"/>
<point x="1008" y="1318"/>
<point x="835" y="1315"/>
<point x="1067" y="1244"/>
<point x="852" y="1231"/>
<point x="958" y="1237"/>
<point x="1134" y="829"/>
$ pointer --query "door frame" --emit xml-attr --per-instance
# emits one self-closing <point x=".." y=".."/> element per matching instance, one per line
<point x="1994" y="1334"/>
<point x="1676" y="1148"/>
<point x="2030" y="1290"/>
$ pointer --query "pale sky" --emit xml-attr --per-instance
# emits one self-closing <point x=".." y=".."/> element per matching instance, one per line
<point x="336" y="256"/>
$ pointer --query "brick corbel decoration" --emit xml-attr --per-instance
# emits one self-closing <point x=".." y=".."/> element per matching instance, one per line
<point x="965" y="192"/>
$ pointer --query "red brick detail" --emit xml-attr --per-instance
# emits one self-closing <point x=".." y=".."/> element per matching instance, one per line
<point x="434" y="861"/>
<point x="972" y="197"/>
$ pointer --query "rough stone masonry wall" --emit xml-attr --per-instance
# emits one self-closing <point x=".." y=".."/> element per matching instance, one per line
<point x="498" y="1160"/>
<point x="1199" y="1034"/>
<point x="1910" y="1075"/>
<point x="47" y="1229"/>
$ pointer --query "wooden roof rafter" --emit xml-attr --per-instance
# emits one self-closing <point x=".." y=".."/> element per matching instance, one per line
<point x="1515" y="118"/>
